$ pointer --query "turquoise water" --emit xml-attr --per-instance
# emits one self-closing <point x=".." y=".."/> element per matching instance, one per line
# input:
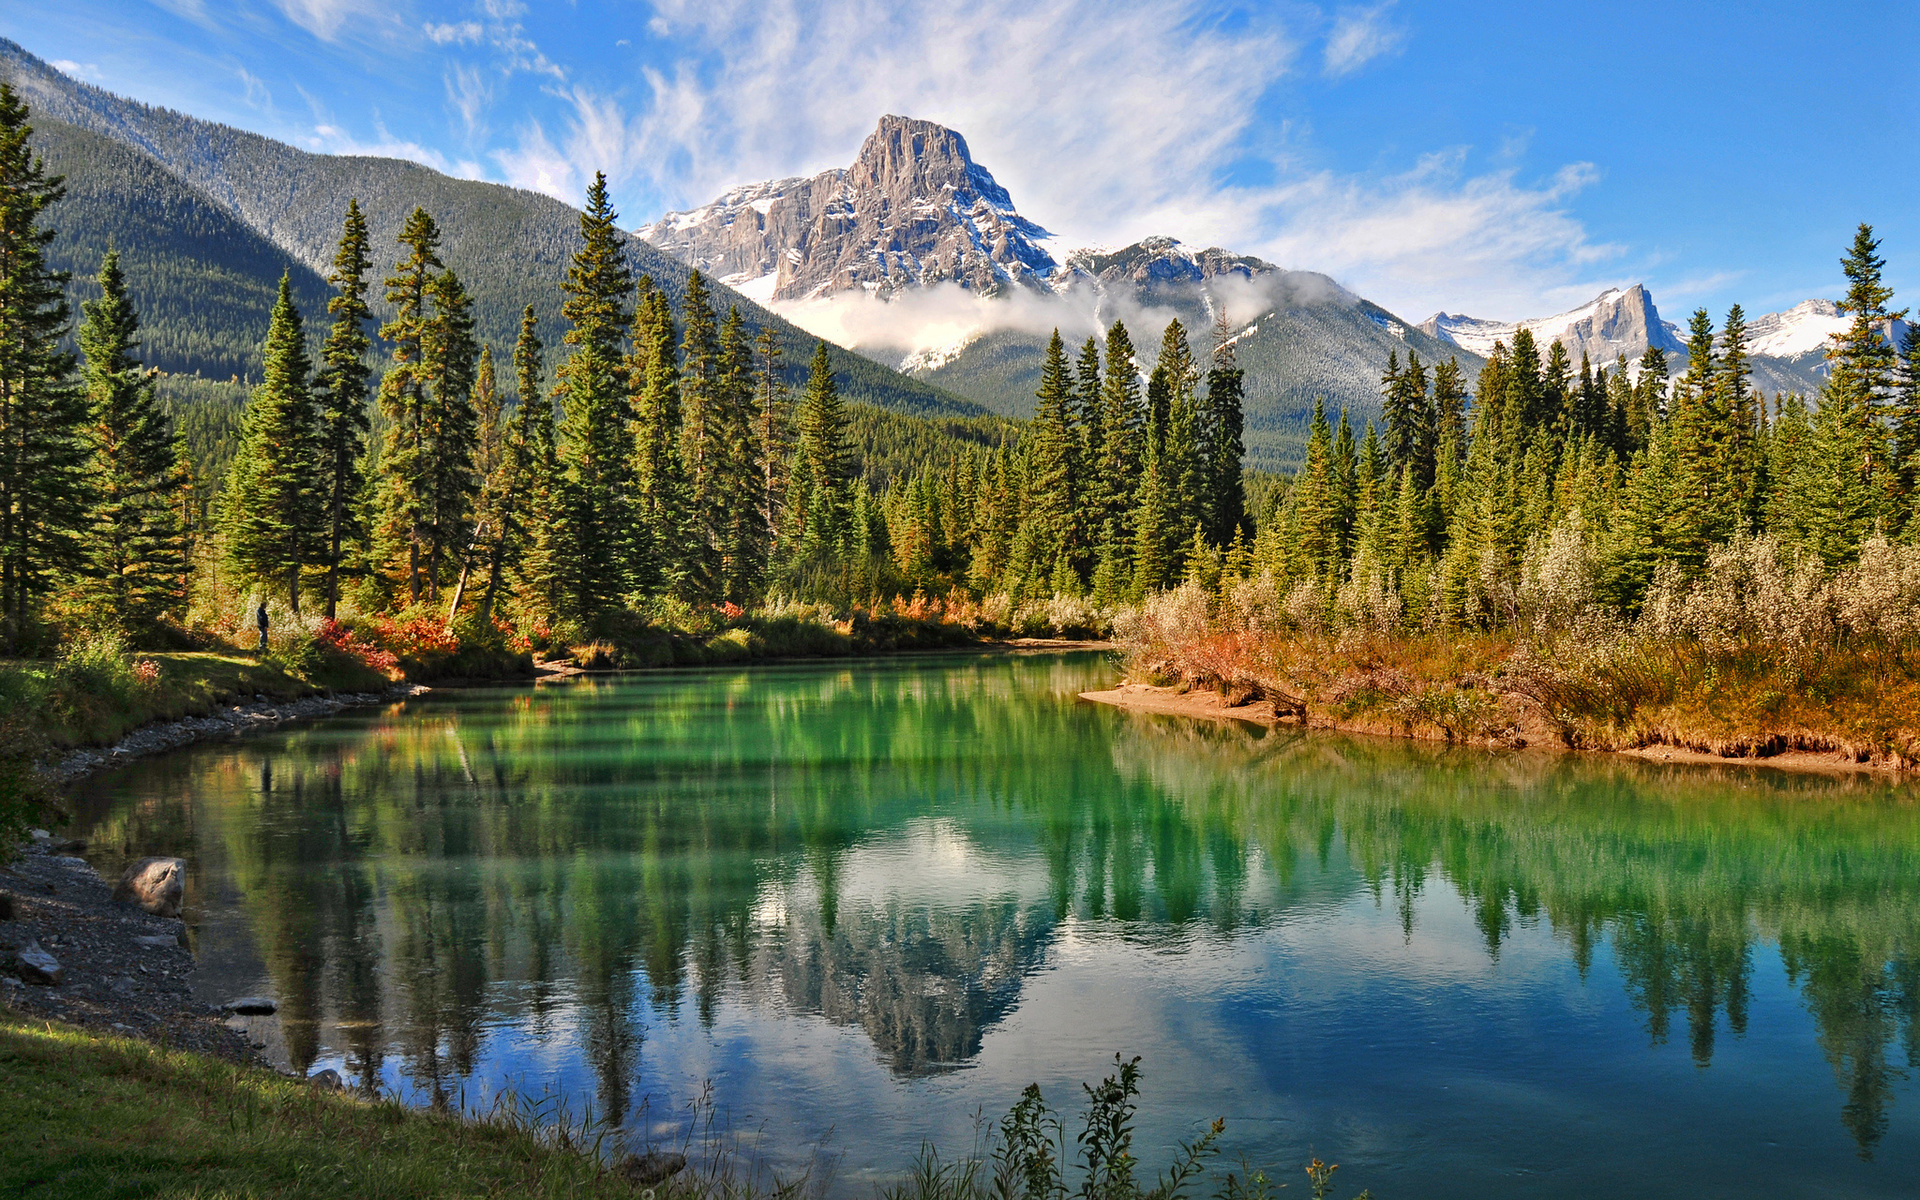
<point x="865" y="903"/>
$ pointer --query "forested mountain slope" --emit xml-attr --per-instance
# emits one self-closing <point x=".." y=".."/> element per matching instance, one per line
<point x="173" y="173"/>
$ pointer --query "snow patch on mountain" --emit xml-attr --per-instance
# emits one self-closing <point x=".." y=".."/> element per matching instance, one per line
<point x="1801" y="330"/>
<point x="1614" y="322"/>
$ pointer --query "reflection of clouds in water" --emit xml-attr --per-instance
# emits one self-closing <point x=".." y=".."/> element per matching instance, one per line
<point x="876" y="901"/>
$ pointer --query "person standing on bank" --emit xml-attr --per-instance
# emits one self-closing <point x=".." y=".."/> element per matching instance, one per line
<point x="260" y="619"/>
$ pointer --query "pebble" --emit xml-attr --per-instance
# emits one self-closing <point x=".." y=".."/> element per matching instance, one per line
<point x="37" y="966"/>
<point x="251" y="1006"/>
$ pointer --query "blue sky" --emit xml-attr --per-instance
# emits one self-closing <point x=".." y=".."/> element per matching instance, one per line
<point x="1501" y="160"/>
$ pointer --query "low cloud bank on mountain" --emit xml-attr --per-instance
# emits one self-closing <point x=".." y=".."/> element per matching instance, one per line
<point x="921" y="326"/>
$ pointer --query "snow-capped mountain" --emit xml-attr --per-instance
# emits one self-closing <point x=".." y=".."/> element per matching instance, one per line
<point x="1611" y="324"/>
<point x="914" y="209"/>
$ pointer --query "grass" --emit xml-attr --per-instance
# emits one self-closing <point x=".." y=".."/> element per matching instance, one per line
<point x="98" y="705"/>
<point x="90" y="1116"/>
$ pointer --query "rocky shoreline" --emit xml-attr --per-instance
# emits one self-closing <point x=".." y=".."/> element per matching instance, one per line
<point x="70" y="952"/>
<point x="257" y="716"/>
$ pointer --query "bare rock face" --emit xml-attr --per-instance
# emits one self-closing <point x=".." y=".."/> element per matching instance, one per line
<point x="155" y="884"/>
<point x="913" y="209"/>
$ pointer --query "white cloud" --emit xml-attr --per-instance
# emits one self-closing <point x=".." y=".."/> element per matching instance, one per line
<point x="1359" y="36"/>
<point x="323" y="18"/>
<point x="470" y="94"/>
<point x="462" y="33"/>
<point x="67" y="66"/>
<point x="1436" y="237"/>
<point x="257" y="94"/>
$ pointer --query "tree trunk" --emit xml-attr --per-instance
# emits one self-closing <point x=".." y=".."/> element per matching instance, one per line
<point x="460" y="588"/>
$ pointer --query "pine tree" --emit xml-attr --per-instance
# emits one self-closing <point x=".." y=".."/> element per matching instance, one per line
<point x="744" y="540"/>
<point x="138" y="547"/>
<point x="274" y="503"/>
<point x="593" y="392"/>
<point x="404" y="392"/>
<point x="1906" y="434"/>
<point x="1086" y="395"/>
<point x="1736" y="409"/>
<point x="1848" y="492"/>
<point x="45" y="494"/>
<point x="659" y="473"/>
<point x="449" y="428"/>
<point x="1450" y="408"/>
<point x="341" y="391"/>
<point x="495" y="466"/>
<point x="545" y="554"/>
<point x="1054" y="476"/>
<point x="1116" y="469"/>
<point x="1649" y="397"/>
<point x="772" y="427"/>
<point x="1224" y="505"/>
<point x="1701" y="507"/>
<point x="701" y="408"/>
<point x="819" y="484"/>
<point x="1315" y="499"/>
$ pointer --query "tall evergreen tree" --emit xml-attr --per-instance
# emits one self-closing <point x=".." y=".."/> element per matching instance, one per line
<point x="1906" y="434"/>
<point x="819" y="489"/>
<point x="449" y="427"/>
<point x="404" y="395"/>
<point x="773" y="427"/>
<point x="342" y="392"/>
<point x="593" y="393"/>
<point x="1116" y="468"/>
<point x="701" y="407"/>
<point x="45" y="493"/>
<point x="1224" y="503"/>
<point x="540" y="553"/>
<point x="743" y="533"/>
<point x="1053" y="492"/>
<point x="274" y="503"/>
<point x="138" y="546"/>
<point x="659" y="472"/>
<point x="1849" y="486"/>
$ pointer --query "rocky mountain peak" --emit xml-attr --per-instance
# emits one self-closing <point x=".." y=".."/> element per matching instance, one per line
<point x="913" y="209"/>
<point x="1613" y="323"/>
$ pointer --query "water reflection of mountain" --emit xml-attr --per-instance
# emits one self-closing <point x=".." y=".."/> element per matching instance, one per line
<point x="895" y="849"/>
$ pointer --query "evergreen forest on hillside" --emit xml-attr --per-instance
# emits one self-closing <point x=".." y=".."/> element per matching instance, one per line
<point x="651" y="469"/>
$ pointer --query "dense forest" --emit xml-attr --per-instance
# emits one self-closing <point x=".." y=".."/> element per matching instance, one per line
<point x="652" y="461"/>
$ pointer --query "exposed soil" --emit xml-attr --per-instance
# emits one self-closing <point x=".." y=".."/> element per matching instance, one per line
<point x="123" y="970"/>
<point x="1531" y="727"/>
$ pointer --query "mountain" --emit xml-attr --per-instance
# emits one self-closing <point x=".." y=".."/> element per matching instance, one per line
<point x="1788" y="348"/>
<point x="914" y="209"/>
<point x="916" y="256"/>
<point x="209" y="216"/>
<point x="1611" y="324"/>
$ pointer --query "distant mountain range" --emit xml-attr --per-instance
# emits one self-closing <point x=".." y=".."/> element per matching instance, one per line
<point x="918" y="257"/>
<point x="207" y="216"/>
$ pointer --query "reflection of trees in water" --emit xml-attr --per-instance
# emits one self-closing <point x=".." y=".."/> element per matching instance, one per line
<point x="596" y="855"/>
<point x="1680" y="871"/>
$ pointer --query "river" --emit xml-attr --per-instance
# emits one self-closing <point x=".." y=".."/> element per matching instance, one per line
<point x="860" y="905"/>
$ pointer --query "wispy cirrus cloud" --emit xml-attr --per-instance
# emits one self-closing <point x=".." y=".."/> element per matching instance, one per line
<point x="1359" y="36"/>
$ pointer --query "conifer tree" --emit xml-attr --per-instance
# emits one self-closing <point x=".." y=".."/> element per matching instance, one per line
<point x="1736" y="410"/>
<point x="495" y="467"/>
<point x="596" y="451"/>
<point x="819" y="484"/>
<point x="138" y="546"/>
<point x="772" y="426"/>
<point x="1450" y="406"/>
<point x="1224" y="504"/>
<point x="341" y="392"/>
<point x="1086" y="395"/>
<point x="45" y="493"/>
<point x="743" y="533"/>
<point x="1053" y="471"/>
<point x="1702" y="508"/>
<point x="701" y="405"/>
<point x="404" y="395"/>
<point x="1116" y="469"/>
<point x="274" y="502"/>
<point x="1316" y="501"/>
<point x="1848" y="487"/>
<point x="659" y="473"/>
<point x="1649" y="397"/>
<point x="1906" y="434"/>
<point x="540" y="552"/>
<point x="449" y="427"/>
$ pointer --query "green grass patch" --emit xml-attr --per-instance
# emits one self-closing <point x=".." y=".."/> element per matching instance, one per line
<point x="89" y="1116"/>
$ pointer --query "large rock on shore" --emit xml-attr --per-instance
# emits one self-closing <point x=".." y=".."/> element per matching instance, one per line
<point x="155" y="884"/>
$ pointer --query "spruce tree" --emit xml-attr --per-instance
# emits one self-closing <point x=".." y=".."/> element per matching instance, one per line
<point x="819" y="489"/>
<point x="341" y="391"/>
<point x="1053" y="495"/>
<point x="449" y="429"/>
<point x="275" y="507"/>
<point x="1115" y="473"/>
<point x="405" y="459"/>
<point x="701" y="405"/>
<point x="744" y="540"/>
<point x="1736" y="409"/>
<point x="494" y="467"/>
<point x="659" y="474"/>
<point x="138" y="548"/>
<point x="545" y="553"/>
<point x="1224" y="503"/>
<point x="774" y="434"/>
<point x="1086" y="395"/>
<point x="1906" y="434"/>
<point x="1702" y="506"/>
<point x="45" y="493"/>
<point x="1847" y="494"/>
<point x="593" y="393"/>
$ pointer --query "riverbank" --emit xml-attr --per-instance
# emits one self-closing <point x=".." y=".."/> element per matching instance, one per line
<point x="1507" y="720"/>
